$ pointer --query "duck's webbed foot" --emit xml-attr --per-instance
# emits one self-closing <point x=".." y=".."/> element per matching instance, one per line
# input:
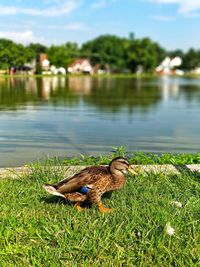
<point x="102" y="209"/>
<point x="78" y="206"/>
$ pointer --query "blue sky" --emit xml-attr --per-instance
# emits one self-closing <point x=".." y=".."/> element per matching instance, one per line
<point x="172" y="23"/>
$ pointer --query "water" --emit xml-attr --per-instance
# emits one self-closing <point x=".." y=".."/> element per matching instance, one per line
<point x="54" y="116"/>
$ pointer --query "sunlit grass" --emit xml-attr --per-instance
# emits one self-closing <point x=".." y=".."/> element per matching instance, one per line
<point x="38" y="229"/>
<point x="134" y="158"/>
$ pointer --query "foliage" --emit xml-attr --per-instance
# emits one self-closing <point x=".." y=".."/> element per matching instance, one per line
<point x="138" y="158"/>
<point x="38" y="229"/>
<point x="12" y="54"/>
<point x="144" y="53"/>
<point x="36" y="49"/>
<point x="107" y="49"/>
<point x="63" y="55"/>
<point x="120" y="54"/>
<point x="123" y="53"/>
<point x="191" y="59"/>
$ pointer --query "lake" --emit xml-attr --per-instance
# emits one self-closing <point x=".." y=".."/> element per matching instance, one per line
<point x="59" y="116"/>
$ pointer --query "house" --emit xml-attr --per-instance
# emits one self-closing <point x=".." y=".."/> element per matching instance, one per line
<point x="80" y="66"/>
<point x="47" y="68"/>
<point x="57" y="71"/>
<point x="101" y="69"/>
<point x="196" y="71"/>
<point x="44" y="62"/>
<point x="169" y="65"/>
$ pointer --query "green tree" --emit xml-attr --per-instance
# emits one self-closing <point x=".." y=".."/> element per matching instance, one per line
<point x="36" y="49"/>
<point x="106" y="49"/>
<point x="33" y="52"/>
<point x="63" y="55"/>
<point x="191" y="59"/>
<point x="124" y="53"/>
<point x="11" y="54"/>
<point x="175" y="53"/>
<point x="120" y="53"/>
<point x="144" y="53"/>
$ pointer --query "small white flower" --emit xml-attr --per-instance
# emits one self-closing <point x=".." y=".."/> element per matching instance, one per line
<point x="176" y="204"/>
<point x="169" y="230"/>
<point x="138" y="234"/>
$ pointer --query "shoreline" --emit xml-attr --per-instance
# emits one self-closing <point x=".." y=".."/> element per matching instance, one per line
<point x="113" y="75"/>
<point x="19" y="172"/>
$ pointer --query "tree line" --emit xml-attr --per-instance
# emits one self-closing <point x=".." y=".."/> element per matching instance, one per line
<point x="121" y="54"/>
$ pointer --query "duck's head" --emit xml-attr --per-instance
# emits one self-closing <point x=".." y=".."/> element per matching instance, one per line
<point x="120" y="164"/>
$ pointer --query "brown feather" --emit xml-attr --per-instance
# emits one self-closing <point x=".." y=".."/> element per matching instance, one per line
<point x="85" y="177"/>
<point x="99" y="179"/>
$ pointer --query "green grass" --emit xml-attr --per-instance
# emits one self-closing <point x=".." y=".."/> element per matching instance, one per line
<point x="37" y="229"/>
<point x="134" y="158"/>
<point x="112" y="75"/>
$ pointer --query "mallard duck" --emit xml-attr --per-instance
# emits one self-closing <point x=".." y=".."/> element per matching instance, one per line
<point x="91" y="183"/>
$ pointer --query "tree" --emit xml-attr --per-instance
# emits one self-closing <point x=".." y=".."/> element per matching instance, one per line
<point x="63" y="55"/>
<point x="119" y="53"/>
<point x="106" y="49"/>
<point x="124" y="53"/>
<point x="33" y="53"/>
<point x="191" y="59"/>
<point x="144" y="53"/>
<point x="36" y="49"/>
<point x="11" y="54"/>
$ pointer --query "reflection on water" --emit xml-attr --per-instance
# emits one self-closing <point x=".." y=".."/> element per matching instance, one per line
<point x="67" y="116"/>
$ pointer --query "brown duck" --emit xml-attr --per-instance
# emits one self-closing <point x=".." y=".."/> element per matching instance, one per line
<point x="91" y="183"/>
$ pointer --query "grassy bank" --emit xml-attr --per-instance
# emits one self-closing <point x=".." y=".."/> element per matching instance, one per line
<point x="37" y="229"/>
<point x="134" y="158"/>
<point x="113" y="75"/>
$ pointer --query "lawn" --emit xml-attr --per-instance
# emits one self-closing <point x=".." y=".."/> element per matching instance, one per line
<point x="37" y="229"/>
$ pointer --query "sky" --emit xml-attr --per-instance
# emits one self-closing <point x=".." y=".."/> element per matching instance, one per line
<point x="174" y="24"/>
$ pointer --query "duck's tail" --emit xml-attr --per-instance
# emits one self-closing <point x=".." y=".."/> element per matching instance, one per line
<point x="52" y="190"/>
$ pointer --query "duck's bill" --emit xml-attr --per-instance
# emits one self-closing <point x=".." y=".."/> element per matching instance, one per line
<point x="131" y="170"/>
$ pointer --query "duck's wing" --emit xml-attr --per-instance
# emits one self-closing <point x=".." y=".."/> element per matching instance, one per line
<point x="86" y="177"/>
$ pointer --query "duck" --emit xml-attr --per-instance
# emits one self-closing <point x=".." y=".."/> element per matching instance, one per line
<point x="88" y="185"/>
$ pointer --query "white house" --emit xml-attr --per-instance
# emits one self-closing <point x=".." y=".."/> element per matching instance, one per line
<point x="169" y="65"/>
<point x="44" y="62"/>
<point x="80" y="66"/>
<point x="196" y="71"/>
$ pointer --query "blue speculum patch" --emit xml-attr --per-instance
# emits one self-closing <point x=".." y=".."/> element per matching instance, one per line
<point x="84" y="190"/>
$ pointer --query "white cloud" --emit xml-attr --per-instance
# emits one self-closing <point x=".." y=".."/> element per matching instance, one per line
<point x="185" y="7"/>
<point x="189" y="6"/>
<point x="25" y="37"/>
<point x="56" y="10"/>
